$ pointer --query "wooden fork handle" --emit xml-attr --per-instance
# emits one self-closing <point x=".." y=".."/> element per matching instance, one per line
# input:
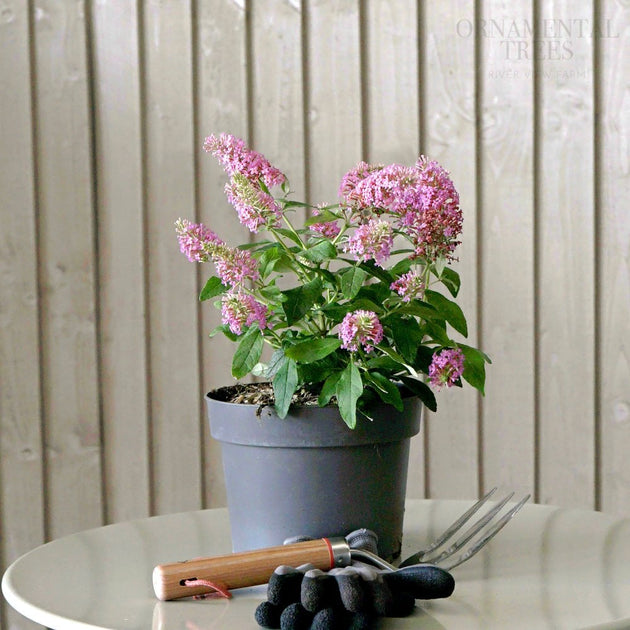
<point x="247" y="568"/>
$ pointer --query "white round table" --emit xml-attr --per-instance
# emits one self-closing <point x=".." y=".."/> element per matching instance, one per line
<point x="549" y="568"/>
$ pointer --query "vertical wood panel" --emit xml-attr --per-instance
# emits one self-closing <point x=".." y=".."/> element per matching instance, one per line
<point x="566" y="257"/>
<point x="614" y="273"/>
<point x="391" y="120"/>
<point x="449" y="106"/>
<point x="507" y="223"/>
<point x="221" y="106"/>
<point x="65" y="205"/>
<point x="174" y="361"/>
<point x="21" y="474"/>
<point x="118" y="151"/>
<point x="391" y="82"/>
<point x="277" y="98"/>
<point x="334" y="94"/>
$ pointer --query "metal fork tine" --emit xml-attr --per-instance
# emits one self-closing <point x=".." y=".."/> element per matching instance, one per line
<point x="470" y="533"/>
<point x="491" y="533"/>
<point x="450" y="532"/>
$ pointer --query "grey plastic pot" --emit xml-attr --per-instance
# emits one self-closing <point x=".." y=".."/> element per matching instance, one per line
<point x="309" y="474"/>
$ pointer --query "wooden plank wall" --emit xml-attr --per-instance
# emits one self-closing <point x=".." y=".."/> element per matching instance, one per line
<point x="103" y="352"/>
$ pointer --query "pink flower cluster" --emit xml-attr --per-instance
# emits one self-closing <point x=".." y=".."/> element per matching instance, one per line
<point x="446" y="367"/>
<point x="351" y="179"/>
<point x="390" y="189"/>
<point x="360" y="328"/>
<point x="409" y="286"/>
<point x="329" y="229"/>
<point x="436" y="233"/>
<point x="372" y="241"/>
<point x="236" y="157"/>
<point x="421" y="200"/>
<point x="247" y="168"/>
<point x="240" y="309"/>
<point x="195" y="240"/>
<point x="234" y="266"/>
<point x="254" y="207"/>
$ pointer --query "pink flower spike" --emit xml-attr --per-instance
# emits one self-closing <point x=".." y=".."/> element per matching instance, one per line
<point x="372" y="240"/>
<point x="329" y="229"/>
<point x="234" y="266"/>
<point x="196" y="241"/>
<point x="409" y="286"/>
<point x="360" y="328"/>
<point x="255" y="208"/>
<point x="235" y="157"/>
<point x="240" y="309"/>
<point x="446" y="367"/>
<point x="436" y="229"/>
<point x="352" y="178"/>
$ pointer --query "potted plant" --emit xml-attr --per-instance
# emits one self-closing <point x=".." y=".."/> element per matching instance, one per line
<point x="358" y="341"/>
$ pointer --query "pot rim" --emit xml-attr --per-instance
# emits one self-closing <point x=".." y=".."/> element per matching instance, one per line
<point x="309" y="426"/>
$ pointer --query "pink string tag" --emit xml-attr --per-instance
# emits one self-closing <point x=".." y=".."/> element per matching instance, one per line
<point x="217" y="589"/>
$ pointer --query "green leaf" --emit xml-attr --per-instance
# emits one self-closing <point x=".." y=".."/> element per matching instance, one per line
<point x="451" y="311"/>
<point x="401" y="267"/>
<point x="323" y="217"/>
<point x="268" y="259"/>
<point x="327" y="276"/>
<point x="422" y="391"/>
<point x="338" y="312"/>
<point x="386" y="364"/>
<point x="399" y="359"/>
<point x="387" y="390"/>
<point x="284" y="385"/>
<point x="407" y="336"/>
<point x="272" y="293"/>
<point x="269" y="370"/>
<point x="329" y="389"/>
<point x="248" y="352"/>
<point x="321" y="251"/>
<point x="313" y="349"/>
<point x="257" y="245"/>
<point x="436" y="331"/>
<point x="440" y="265"/>
<point x="213" y="287"/>
<point x="225" y="329"/>
<point x="424" y="357"/>
<point x="451" y="280"/>
<point x="300" y="300"/>
<point x="378" y="292"/>
<point x="263" y="186"/>
<point x="318" y="371"/>
<point x="285" y="264"/>
<point x="290" y="235"/>
<point x="419" y="309"/>
<point x="351" y="281"/>
<point x="474" y="367"/>
<point x="349" y="389"/>
<point x="377" y="272"/>
<point x="296" y="204"/>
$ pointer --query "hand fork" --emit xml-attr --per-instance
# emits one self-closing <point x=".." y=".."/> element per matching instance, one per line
<point x="250" y="568"/>
<point x="485" y="528"/>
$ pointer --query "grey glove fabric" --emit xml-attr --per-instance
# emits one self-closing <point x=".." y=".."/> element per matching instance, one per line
<point x="350" y="598"/>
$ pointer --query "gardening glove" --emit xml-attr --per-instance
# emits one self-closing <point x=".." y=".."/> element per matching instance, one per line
<point x="346" y="598"/>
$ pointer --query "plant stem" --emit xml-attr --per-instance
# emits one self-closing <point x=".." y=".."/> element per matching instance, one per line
<point x="298" y="267"/>
<point x="292" y="230"/>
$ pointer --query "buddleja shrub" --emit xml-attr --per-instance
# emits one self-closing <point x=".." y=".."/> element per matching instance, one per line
<point x="372" y="310"/>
